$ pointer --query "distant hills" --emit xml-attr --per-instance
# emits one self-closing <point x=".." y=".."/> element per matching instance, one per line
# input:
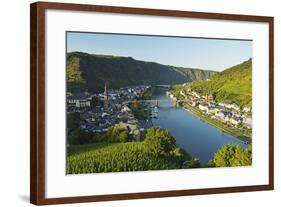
<point x="89" y="71"/>
<point x="233" y="85"/>
<point x="195" y="74"/>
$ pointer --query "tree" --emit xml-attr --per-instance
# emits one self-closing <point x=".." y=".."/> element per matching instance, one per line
<point x="139" y="111"/>
<point x="193" y="163"/>
<point x="115" y="134"/>
<point x="73" y="121"/>
<point x="79" y="136"/>
<point x="179" y="156"/>
<point x="75" y="82"/>
<point x="242" y="157"/>
<point x="94" y="101"/>
<point x="231" y="155"/>
<point x="73" y="137"/>
<point x="110" y="135"/>
<point x="124" y="136"/>
<point x="160" y="141"/>
<point x="136" y="104"/>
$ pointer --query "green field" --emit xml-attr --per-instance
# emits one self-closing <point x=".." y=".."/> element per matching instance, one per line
<point x="118" y="157"/>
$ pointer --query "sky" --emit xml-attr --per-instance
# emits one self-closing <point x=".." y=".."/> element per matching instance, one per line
<point x="202" y="53"/>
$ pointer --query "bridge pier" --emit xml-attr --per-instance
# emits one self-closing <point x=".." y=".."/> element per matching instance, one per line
<point x="157" y="102"/>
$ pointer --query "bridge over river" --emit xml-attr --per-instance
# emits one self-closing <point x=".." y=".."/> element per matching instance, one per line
<point x="157" y="102"/>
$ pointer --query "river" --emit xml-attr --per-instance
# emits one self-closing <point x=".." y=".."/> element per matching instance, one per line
<point x="200" y="139"/>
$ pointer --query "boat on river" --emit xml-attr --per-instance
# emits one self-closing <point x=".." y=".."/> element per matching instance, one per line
<point x="155" y="110"/>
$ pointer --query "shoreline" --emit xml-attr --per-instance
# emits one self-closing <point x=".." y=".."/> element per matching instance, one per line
<point x="237" y="133"/>
<point x="234" y="132"/>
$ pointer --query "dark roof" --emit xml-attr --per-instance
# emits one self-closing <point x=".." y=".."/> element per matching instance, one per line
<point x="78" y="96"/>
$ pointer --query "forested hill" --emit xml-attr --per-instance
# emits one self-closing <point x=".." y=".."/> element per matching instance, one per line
<point x="89" y="71"/>
<point x="195" y="74"/>
<point x="233" y="85"/>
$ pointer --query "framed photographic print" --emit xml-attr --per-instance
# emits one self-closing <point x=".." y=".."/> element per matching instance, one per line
<point x="130" y="103"/>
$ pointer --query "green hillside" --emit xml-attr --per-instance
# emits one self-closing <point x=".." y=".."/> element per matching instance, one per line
<point x="89" y="71"/>
<point x="233" y="85"/>
<point x="117" y="157"/>
<point x="158" y="151"/>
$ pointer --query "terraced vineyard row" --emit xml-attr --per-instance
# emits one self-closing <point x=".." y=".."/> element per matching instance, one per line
<point x="117" y="157"/>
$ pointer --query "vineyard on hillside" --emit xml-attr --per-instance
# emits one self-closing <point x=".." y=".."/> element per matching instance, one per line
<point x="118" y="157"/>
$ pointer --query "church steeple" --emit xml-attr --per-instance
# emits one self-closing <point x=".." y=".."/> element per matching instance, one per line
<point x="106" y="96"/>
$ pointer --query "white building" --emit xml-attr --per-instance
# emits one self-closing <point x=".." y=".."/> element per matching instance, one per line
<point x="247" y="121"/>
<point x="234" y="121"/>
<point x="203" y="107"/>
<point x="246" y="109"/>
<point x="79" y="100"/>
<point x="125" y="109"/>
<point x="230" y="106"/>
<point x="183" y="94"/>
<point x="196" y="94"/>
<point x="211" y="110"/>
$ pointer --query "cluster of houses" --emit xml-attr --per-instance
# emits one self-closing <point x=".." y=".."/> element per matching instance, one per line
<point x="99" y="111"/>
<point x="224" y="112"/>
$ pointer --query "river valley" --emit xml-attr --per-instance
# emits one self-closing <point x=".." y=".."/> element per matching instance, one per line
<point x="200" y="139"/>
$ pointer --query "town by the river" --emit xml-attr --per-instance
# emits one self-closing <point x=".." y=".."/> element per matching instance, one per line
<point x="99" y="112"/>
<point x="200" y="139"/>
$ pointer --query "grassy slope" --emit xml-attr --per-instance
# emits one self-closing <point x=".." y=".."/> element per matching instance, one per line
<point x="233" y="85"/>
<point x="117" y="157"/>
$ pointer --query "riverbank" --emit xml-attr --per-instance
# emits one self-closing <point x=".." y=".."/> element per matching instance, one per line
<point x="242" y="135"/>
